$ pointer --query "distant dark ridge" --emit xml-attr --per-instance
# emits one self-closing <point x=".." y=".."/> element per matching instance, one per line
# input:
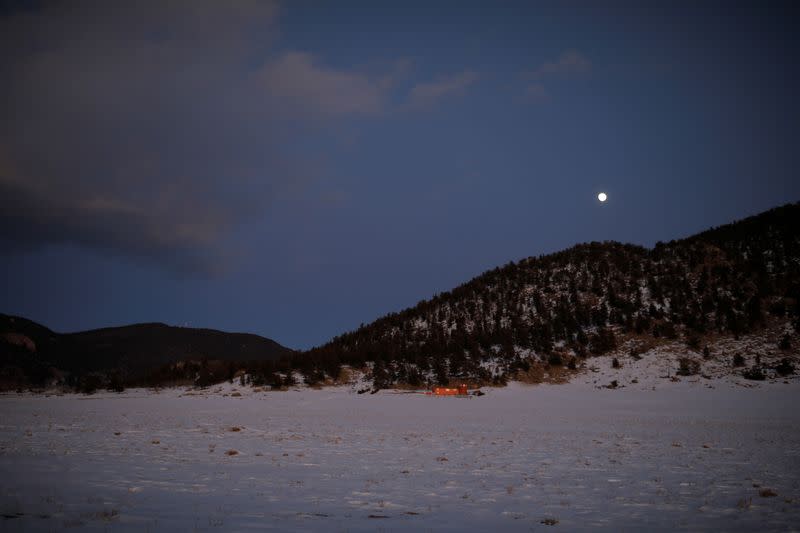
<point x="132" y="352"/>
<point x="142" y="346"/>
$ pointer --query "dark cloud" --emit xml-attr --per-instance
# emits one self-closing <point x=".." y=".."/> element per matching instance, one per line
<point x="155" y="129"/>
<point x="125" y="229"/>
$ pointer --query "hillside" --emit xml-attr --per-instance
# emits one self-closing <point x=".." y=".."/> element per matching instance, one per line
<point x="32" y="354"/>
<point x="724" y="302"/>
<point x="543" y="316"/>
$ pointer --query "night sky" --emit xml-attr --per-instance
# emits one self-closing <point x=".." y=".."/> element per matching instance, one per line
<point x="295" y="169"/>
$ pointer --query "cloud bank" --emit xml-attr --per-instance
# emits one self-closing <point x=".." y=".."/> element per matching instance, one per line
<point x="429" y="93"/>
<point x="570" y="62"/>
<point x="154" y="129"/>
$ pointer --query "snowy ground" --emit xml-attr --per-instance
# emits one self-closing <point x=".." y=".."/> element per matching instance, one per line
<point x="680" y="457"/>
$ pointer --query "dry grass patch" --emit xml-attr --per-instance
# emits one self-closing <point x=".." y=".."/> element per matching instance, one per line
<point x="540" y="373"/>
<point x="345" y="376"/>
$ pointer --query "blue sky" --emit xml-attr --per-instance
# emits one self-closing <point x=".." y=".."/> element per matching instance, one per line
<point x="295" y="169"/>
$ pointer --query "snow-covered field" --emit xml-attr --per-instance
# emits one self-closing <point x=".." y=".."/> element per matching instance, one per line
<point x="683" y="456"/>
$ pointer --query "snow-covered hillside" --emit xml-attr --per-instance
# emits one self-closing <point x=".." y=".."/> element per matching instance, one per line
<point x="744" y="361"/>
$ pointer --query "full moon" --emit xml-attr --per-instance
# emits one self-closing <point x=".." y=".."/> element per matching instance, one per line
<point x="602" y="197"/>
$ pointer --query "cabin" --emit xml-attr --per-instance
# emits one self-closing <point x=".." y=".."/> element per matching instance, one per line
<point x="445" y="391"/>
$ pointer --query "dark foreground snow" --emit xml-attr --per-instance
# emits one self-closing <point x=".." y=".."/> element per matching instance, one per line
<point x="680" y="457"/>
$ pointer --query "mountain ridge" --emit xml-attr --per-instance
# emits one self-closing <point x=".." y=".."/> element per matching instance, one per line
<point x="731" y="279"/>
<point x="537" y="319"/>
<point x="130" y="354"/>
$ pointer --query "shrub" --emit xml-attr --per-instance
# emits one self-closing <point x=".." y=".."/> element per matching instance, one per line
<point x="382" y="380"/>
<point x="89" y="383"/>
<point x="634" y="353"/>
<point x="786" y="343"/>
<point x="555" y="359"/>
<point x="603" y="341"/>
<point x="115" y="383"/>
<point x="688" y="367"/>
<point x="754" y="373"/>
<point x="275" y="381"/>
<point x="785" y="367"/>
<point x="668" y="330"/>
<point x="204" y="379"/>
<point x="312" y="377"/>
<point x="414" y="377"/>
<point x="778" y="308"/>
<point x="258" y="380"/>
<point x="693" y="342"/>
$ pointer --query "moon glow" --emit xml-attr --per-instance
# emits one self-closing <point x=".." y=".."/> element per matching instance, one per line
<point x="602" y="197"/>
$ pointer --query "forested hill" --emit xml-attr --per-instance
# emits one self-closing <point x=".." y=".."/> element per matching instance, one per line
<point x="541" y="316"/>
<point x="728" y="280"/>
